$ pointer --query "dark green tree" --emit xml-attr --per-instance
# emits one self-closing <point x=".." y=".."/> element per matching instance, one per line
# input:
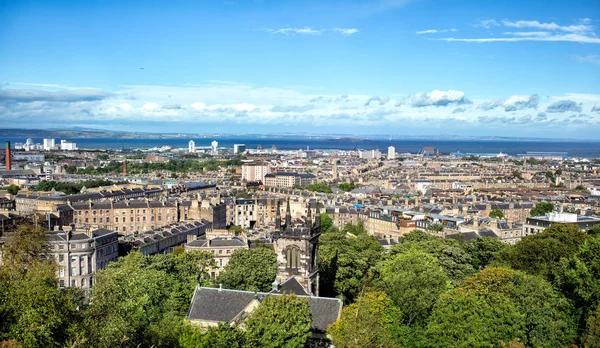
<point x="483" y="250"/>
<point x="250" y="269"/>
<point x="13" y="189"/>
<point x="414" y="280"/>
<point x="541" y="209"/>
<point x="497" y="214"/>
<point x="279" y="321"/>
<point x="591" y="337"/>
<point x="540" y="253"/>
<point x="222" y="336"/>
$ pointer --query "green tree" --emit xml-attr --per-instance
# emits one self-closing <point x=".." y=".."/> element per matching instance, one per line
<point x="13" y="189"/>
<point x="237" y="230"/>
<point x="28" y="243"/>
<point x="344" y="263"/>
<point x="455" y="261"/>
<point x="594" y="231"/>
<point x="592" y="335"/>
<point x="347" y="186"/>
<point x="222" y="336"/>
<point x="578" y="277"/>
<point x="436" y="227"/>
<point x="498" y="305"/>
<point x="541" y="209"/>
<point x="540" y="253"/>
<point x="318" y="187"/>
<point x="414" y="280"/>
<point x="355" y="229"/>
<point x="372" y="321"/>
<point x="326" y="223"/>
<point x="280" y="321"/>
<point x="250" y="269"/>
<point x="497" y="214"/>
<point x="483" y="250"/>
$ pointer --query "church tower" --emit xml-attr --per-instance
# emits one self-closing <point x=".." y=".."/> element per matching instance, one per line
<point x="297" y="250"/>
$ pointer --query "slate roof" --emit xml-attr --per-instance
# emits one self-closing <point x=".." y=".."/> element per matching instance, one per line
<point x="291" y="286"/>
<point x="224" y="305"/>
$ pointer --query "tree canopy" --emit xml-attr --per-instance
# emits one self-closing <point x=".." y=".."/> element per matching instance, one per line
<point x="541" y="208"/>
<point x="250" y="269"/>
<point x="280" y="321"/>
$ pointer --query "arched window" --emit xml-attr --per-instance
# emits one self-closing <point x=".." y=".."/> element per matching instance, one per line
<point x="292" y="258"/>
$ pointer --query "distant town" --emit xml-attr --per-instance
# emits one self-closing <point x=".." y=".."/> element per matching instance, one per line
<point x="98" y="206"/>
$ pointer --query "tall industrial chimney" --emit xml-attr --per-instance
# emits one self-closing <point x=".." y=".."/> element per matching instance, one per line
<point x="125" y="167"/>
<point x="8" y="164"/>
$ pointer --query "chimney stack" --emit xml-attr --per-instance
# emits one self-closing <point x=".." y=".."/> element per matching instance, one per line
<point x="125" y="167"/>
<point x="8" y="163"/>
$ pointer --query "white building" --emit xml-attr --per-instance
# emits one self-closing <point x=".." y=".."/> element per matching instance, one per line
<point x="49" y="144"/>
<point x="191" y="146"/>
<point x="255" y="171"/>
<point x="239" y="148"/>
<point x="214" y="146"/>
<point x="391" y="152"/>
<point x="370" y="154"/>
<point x="594" y="190"/>
<point x="68" y="145"/>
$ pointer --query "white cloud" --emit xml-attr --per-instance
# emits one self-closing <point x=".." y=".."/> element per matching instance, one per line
<point x="550" y="32"/>
<point x="346" y="31"/>
<point x="296" y="31"/>
<point x="548" y="26"/>
<point x="198" y="105"/>
<point x="435" y="31"/>
<point x="588" y="59"/>
<point x="242" y="104"/>
<point x="439" y="98"/>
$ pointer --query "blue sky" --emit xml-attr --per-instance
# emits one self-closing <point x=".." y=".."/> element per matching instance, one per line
<point x="523" y="68"/>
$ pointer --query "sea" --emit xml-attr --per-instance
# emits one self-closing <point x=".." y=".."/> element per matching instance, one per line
<point x="587" y="149"/>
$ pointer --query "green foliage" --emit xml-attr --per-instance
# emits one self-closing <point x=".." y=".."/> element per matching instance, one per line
<point x="69" y="188"/>
<point x="497" y="214"/>
<point x="372" y="321"/>
<point x="455" y="261"/>
<point x="33" y="311"/>
<point x="541" y="209"/>
<point x="237" y="230"/>
<point x="280" y="321"/>
<point x="222" y="336"/>
<point x="141" y="300"/>
<point x="347" y="186"/>
<point x="414" y="280"/>
<point x="12" y="189"/>
<point x="326" y="223"/>
<point x="498" y="305"/>
<point x="578" y="277"/>
<point x="541" y="252"/>
<point x="592" y="334"/>
<point x="250" y="269"/>
<point x="318" y="187"/>
<point x="483" y="250"/>
<point x="344" y="263"/>
<point x="436" y="227"/>
<point x="356" y="230"/>
<point x="594" y="231"/>
<point x="582" y="189"/>
<point x="517" y="174"/>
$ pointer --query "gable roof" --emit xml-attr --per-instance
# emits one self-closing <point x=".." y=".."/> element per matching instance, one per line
<point x="223" y="305"/>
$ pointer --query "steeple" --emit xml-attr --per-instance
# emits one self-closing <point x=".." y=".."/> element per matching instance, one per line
<point x="317" y="225"/>
<point x="288" y="216"/>
<point x="278" y="216"/>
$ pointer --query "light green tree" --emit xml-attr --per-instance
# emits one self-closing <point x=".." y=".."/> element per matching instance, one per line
<point x="250" y="269"/>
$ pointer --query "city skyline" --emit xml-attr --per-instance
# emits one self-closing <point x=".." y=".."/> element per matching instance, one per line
<point x="382" y="67"/>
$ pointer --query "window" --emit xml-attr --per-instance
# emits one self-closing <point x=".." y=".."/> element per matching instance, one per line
<point x="116" y="219"/>
<point x="73" y="282"/>
<point x="73" y="246"/>
<point x="61" y="283"/>
<point x="83" y="283"/>
<point x="292" y="258"/>
<point x="61" y="272"/>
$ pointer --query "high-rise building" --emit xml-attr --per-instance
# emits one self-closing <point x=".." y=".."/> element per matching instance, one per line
<point x="239" y="148"/>
<point x="214" y="145"/>
<point x="49" y="144"/>
<point x="255" y="171"/>
<point x="191" y="146"/>
<point x="68" y="145"/>
<point x="391" y="152"/>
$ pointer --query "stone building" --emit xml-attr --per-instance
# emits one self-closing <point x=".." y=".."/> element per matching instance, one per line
<point x="297" y="249"/>
<point x="80" y="254"/>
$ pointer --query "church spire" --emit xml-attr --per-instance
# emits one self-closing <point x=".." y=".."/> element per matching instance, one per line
<point x="318" y="218"/>
<point x="278" y="215"/>
<point x="288" y="216"/>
